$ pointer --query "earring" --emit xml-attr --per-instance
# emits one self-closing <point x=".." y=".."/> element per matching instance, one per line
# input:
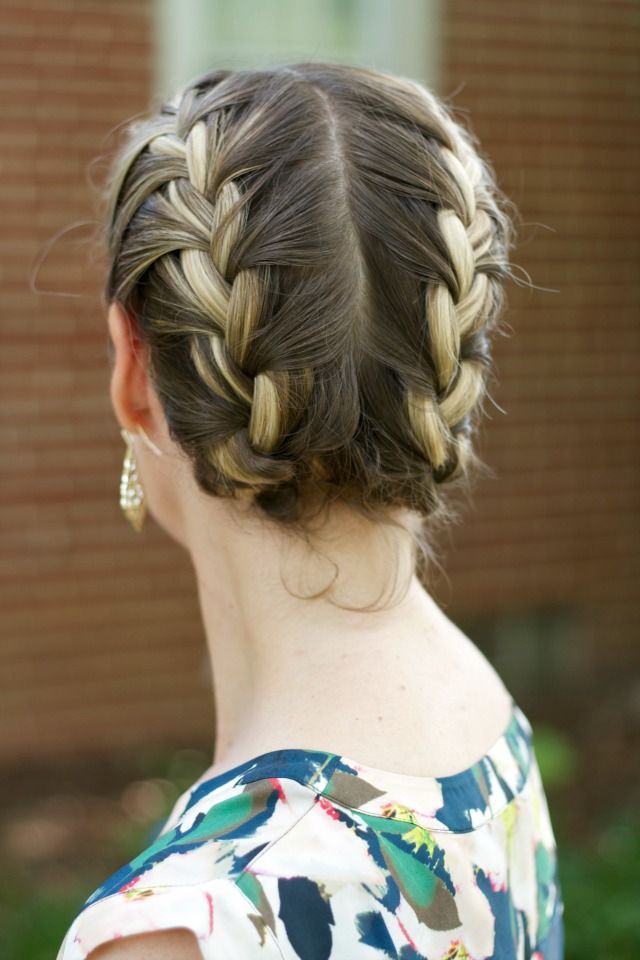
<point x="131" y="492"/>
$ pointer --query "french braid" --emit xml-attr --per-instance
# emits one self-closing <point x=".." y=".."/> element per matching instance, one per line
<point x="315" y="254"/>
<point x="453" y="317"/>
<point x="208" y="232"/>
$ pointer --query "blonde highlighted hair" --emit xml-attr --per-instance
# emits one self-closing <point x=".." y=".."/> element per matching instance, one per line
<point x="315" y="255"/>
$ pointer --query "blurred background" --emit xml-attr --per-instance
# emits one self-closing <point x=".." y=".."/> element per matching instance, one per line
<point x="101" y="626"/>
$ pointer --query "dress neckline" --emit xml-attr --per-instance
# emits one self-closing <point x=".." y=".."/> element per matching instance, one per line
<point x="454" y="802"/>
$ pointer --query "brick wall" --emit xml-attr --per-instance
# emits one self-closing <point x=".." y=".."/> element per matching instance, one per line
<point x="99" y="626"/>
<point x="552" y="92"/>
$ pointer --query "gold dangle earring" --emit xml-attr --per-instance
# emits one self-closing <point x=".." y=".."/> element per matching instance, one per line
<point x="131" y="492"/>
<point x="132" y="499"/>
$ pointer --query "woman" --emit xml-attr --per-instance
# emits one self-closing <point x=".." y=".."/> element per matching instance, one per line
<point x="305" y="263"/>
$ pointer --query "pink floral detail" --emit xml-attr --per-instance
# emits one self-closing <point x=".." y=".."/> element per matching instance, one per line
<point x="210" y="902"/>
<point x="127" y="886"/>
<point x="328" y="807"/>
<point x="406" y="934"/>
<point x="497" y="885"/>
<point x="277" y="786"/>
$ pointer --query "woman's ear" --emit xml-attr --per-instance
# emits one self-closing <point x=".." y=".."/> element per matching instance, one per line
<point x="129" y="383"/>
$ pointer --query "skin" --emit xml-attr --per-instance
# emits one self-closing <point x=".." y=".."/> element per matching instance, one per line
<point x="289" y="671"/>
<point x="174" y="944"/>
<point x="396" y="689"/>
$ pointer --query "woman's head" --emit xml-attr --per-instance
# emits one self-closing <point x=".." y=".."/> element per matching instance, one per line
<point x="314" y="256"/>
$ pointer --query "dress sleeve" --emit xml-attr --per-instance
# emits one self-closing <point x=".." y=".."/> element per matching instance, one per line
<point x="225" y="922"/>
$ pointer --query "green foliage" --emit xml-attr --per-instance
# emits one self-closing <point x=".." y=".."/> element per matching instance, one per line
<point x="601" y="890"/>
<point x="557" y="757"/>
<point x="33" y="922"/>
<point x="600" y="880"/>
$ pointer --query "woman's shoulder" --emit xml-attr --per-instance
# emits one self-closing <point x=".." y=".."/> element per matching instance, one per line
<point x="217" y="918"/>
<point x="175" y="944"/>
<point x="190" y="885"/>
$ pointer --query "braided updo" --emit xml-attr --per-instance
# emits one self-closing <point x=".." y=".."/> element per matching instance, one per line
<point x="315" y="255"/>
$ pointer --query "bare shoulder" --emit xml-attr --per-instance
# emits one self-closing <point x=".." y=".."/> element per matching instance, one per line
<point x="177" y="943"/>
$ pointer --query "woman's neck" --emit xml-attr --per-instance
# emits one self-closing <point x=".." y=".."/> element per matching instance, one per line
<point x="287" y="669"/>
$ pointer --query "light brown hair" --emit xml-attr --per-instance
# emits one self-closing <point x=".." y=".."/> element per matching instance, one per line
<point x="315" y="254"/>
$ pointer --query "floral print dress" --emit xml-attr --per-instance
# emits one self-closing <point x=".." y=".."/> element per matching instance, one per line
<point x="309" y="855"/>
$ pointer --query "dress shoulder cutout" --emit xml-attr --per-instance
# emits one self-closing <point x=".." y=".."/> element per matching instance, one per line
<point x="303" y="854"/>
